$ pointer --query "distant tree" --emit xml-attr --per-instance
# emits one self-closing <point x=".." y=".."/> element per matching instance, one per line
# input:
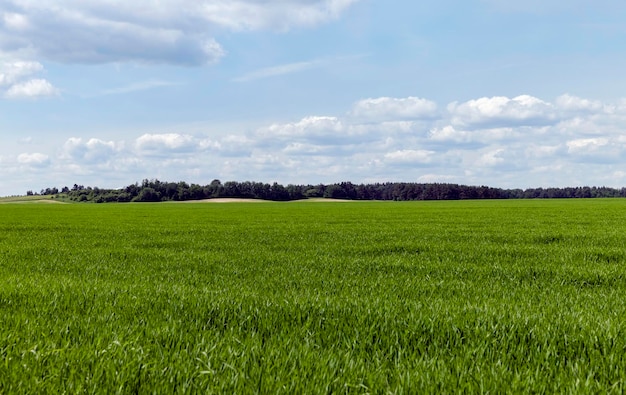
<point x="155" y="190"/>
<point x="196" y="192"/>
<point x="148" y="194"/>
<point x="133" y="190"/>
<point x="335" y="191"/>
<point x="171" y="191"/>
<point x="215" y="188"/>
<point x="278" y="192"/>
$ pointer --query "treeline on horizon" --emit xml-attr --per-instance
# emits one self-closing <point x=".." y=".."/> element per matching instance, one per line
<point x="159" y="191"/>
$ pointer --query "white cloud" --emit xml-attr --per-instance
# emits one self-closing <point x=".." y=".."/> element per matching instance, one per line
<point x="380" y="129"/>
<point x="316" y="129"/>
<point x="230" y="145"/>
<point x="410" y="156"/>
<point x="600" y="150"/>
<point x="168" y="31"/>
<point x="12" y="72"/>
<point x="327" y="130"/>
<point x="491" y="158"/>
<point x="33" y="159"/>
<point x="385" y="108"/>
<point x="501" y="111"/>
<point x="303" y="149"/>
<point x="31" y="89"/>
<point x="90" y="151"/>
<point x="587" y="146"/>
<point x="15" y="79"/>
<point x="17" y="22"/>
<point x="450" y="134"/>
<point x="208" y="144"/>
<point x="576" y="104"/>
<point x="168" y="142"/>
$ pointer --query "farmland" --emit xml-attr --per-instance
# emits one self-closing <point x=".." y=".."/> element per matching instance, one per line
<point x="383" y="297"/>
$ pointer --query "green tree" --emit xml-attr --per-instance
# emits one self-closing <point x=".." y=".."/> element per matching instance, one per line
<point x="148" y="194"/>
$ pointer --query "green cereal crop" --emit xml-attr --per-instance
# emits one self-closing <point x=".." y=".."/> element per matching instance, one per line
<point x="361" y="297"/>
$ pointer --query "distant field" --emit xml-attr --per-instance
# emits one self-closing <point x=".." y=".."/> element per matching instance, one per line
<point x="27" y="199"/>
<point x="523" y="296"/>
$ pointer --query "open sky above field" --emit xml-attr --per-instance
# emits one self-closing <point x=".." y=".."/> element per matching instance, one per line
<point x="496" y="92"/>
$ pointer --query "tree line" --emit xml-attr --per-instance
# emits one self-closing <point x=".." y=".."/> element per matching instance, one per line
<point x="159" y="191"/>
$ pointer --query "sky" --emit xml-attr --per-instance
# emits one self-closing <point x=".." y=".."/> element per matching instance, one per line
<point x="502" y="93"/>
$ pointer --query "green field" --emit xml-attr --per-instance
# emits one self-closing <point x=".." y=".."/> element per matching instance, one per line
<point x="379" y="297"/>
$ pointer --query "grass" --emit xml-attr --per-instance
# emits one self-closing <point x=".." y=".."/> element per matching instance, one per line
<point x="378" y="297"/>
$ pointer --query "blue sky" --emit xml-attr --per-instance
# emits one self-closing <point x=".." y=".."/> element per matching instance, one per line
<point x="480" y="92"/>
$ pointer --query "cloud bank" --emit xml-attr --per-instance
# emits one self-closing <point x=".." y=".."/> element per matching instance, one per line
<point x="171" y="31"/>
<point x="498" y="141"/>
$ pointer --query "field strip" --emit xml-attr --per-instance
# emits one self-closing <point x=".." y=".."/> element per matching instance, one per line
<point x="223" y="200"/>
<point x="242" y="200"/>
<point x="42" y="201"/>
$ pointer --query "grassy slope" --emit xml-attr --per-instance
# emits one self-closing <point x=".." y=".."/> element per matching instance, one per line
<point x="429" y="296"/>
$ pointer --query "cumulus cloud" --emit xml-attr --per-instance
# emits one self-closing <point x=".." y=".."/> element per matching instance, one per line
<point x="501" y="111"/>
<point x="330" y="130"/>
<point x="17" y="82"/>
<point x="304" y="149"/>
<point x="12" y="72"/>
<point x="318" y="129"/>
<point x="385" y="108"/>
<point x="31" y="89"/>
<point x="586" y="145"/>
<point x="410" y="157"/>
<point x="491" y="158"/>
<point x="580" y="142"/>
<point x="33" y="159"/>
<point x="473" y="141"/>
<point x="230" y="145"/>
<point x="170" y="31"/>
<point x="601" y="150"/>
<point x="90" y="151"/>
<point x="450" y="134"/>
<point x="166" y="143"/>
<point x="576" y="104"/>
<point x="15" y="22"/>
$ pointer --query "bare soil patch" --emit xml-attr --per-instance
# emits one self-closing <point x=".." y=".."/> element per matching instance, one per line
<point x="226" y="200"/>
